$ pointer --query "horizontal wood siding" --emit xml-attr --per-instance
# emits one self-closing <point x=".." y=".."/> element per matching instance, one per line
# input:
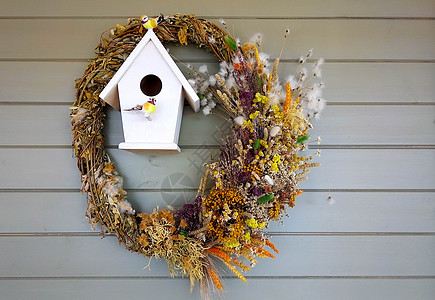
<point x="377" y="154"/>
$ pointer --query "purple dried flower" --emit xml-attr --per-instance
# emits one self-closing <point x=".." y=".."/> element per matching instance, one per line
<point x="246" y="98"/>
<point x="243" y="177"/>
<point x="256" y="192"/>
<point x="190" y="214"/>
<point x="249" y="156"/>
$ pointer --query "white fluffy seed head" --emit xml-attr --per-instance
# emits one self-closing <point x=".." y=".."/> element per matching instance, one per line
<point x="239" y="120"/>
<point x="203" y="69"/>
<point x="274" y="131"/>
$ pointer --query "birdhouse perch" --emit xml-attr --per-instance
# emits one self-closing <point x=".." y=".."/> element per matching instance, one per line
<point x="150" y="89"/>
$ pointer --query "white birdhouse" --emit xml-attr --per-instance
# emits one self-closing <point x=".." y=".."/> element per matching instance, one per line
<point x="149" y="89"/>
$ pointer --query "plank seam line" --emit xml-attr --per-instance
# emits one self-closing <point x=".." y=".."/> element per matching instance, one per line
<point x="211" y="61"/>
<point x="332" y="18"/>
<point x="338" y="147"/>
<point x="288" y="234"/>
<point x="313" y="277"/>
<point x="215" y="147"/>
<point x="194" y="190"/>
<point x="329" y="103"/>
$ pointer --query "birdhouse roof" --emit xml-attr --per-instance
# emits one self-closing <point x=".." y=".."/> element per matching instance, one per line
<point x="110" y="92"/>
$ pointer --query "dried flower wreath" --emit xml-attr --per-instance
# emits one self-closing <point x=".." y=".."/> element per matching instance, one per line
<point x="257" y="173"/>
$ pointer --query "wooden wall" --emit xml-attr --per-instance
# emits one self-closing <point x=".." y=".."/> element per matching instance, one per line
<point x="378" y="158"/>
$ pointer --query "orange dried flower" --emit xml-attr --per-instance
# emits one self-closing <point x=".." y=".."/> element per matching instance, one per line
<point x="219" y="253"/>
<point x="274" y="211"/>
<point x="272" y="246"/>
<point x="143" y="240"/>
<point x="237" y="66"/>
<point x="183" y="223"/>
<point x="288" y="97"/>
<point x="214" y="277"/>
<point x="240" y="264"/>
<point x="235" y="271"/>
<point x="259" y="251"/>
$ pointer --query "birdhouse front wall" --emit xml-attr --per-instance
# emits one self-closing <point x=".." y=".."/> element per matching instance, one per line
<point x="165" y="121"/>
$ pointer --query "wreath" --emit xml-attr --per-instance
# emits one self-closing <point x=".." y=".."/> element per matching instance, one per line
<point x="255" y="178"/>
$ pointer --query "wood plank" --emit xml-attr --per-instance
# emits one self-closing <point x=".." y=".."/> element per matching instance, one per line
<point x="299" y="256"/>
<point x="282" y="9"/>
<point x="341" y="168"/>
<point x="39" y="81"/>
<point x="339" y="125"/>
<point x="40" y="212"/>
<point x="331" y="39"/>
<point x="373" y="82"/>
<point x="43" y="82"/>
<point x="119" y="288"/>
<point x="360" y="212"/>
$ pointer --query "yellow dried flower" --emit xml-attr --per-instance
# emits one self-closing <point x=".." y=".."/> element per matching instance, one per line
<point x="260" y="98"/>
<point x="236" y="230"/>
<point x="252" y="223"/>
<point x="263" y="143"/>
<point x="276" y="158"/>
<point x="274" y="167"/>
<point x="231" y="243"/>
<point x="248" y="124"/>
<point x="276" y="110"/>
<point x="254" y="115"/>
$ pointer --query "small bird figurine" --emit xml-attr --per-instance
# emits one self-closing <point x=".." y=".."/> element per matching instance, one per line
<point x="150" y="23"/>
<point x="148" y="108"/>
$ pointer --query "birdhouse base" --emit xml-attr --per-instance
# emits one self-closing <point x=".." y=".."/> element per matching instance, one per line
<point x="173" y="147"/>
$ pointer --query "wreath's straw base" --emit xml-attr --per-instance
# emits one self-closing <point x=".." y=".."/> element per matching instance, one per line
<point x="255" y="178"/>
<point x="171" y="147"/>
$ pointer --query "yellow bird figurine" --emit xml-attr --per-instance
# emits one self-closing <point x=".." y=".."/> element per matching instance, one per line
<point x="150" y="23"/>
<point x="149" y="107"/>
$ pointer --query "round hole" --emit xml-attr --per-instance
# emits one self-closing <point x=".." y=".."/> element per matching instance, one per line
<point x="151" y="85"/>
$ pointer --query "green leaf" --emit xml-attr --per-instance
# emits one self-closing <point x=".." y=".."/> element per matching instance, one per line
<point x="230" y="42"/>
<point x="265" y="198"/>
<point x="302" y="139"/>
<point x="256" y="144"/>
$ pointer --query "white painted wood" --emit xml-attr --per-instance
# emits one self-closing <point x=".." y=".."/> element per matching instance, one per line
<point x="341" y="168"/>
<point x="255" y="8"/>
<point x="388" y="212"/>
<point x="150" y="147"/>
<point x="255" y="289"/>
<point x="142" y="130"/>
<point x="339" y="125"/>
<point x="151" y="55"/>
<point x="301" y="256"/>
<point x="331" y="39"/>
<point x="345" y="82"/>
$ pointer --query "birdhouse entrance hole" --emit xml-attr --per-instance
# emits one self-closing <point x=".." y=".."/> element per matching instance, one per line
<point x="151" y="85"/>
